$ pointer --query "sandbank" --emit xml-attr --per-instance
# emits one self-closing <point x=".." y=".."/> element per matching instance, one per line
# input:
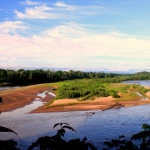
<point x="19" y="97"/>
<point x="102" y="103"/>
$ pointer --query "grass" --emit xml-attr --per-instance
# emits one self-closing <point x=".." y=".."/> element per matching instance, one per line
<point x="128" y="97"/>
<point x="49" y="102"/>
<point x="88" y="89"/>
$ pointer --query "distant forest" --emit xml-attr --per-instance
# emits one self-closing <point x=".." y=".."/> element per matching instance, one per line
<point x="22" y="76"/>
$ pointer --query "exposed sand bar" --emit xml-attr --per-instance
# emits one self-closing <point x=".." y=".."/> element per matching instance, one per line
<point x="19" y="97"/>
<point x="102" y="103"/>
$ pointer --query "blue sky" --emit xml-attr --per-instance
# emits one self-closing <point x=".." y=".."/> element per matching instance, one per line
<point x="79" y="35"/>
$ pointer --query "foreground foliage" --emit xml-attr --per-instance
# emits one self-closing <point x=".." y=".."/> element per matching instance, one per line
<point x="57" y="143"/>
<point x="7" y="144"/>
<point x="138" y="141"/>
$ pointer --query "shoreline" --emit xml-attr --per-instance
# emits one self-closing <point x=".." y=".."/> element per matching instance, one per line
<point x="20" y="97"/>
<point x="101" y="104"/>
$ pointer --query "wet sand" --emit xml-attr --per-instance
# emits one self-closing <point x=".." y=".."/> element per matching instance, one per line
<point x="19" y="97"/>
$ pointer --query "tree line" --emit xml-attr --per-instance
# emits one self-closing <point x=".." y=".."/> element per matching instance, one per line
<point x="22" y="76"/>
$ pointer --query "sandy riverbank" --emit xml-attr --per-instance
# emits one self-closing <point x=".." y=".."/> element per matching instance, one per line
<point x="19" y="97"/>
<point x="102" y="103"/>
<point x="15" y="98"/>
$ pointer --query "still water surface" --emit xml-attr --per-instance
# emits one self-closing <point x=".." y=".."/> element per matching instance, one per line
<point x="101" y="126"/>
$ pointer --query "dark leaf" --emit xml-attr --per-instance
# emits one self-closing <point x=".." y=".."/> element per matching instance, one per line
<point x="92" y="147"/>
<point x="8" y="145"/>
<point x="56" y="125"/>
<point x="141" y="135"/>
<point x="115" y="142"/>
<point x="68" y="127"/>
<point x="122" y="136"/>
<point x="85" y="139"/>
<point x="4" y="129"/>
<point x="145" y="127"/>
<point x="61" y="132"/>
<point x="109" y="144"/>
<point x="60" y="124"/>
<point x="1" y="100"/>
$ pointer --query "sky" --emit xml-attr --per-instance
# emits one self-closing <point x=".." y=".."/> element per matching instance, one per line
<point x="74" y="34"/>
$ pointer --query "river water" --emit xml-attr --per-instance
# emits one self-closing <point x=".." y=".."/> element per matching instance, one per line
<point x="5" y="87"/>
<point x="103" y="125"/>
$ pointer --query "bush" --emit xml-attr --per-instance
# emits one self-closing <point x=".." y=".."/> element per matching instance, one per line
<point x="57" y="143"/>
<point x="139" y="141"/>
<point x="115" y="95"/>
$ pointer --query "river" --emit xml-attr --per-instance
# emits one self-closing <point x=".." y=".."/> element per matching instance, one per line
<point x="103" y="125"/>
<point x="6" y="87"/>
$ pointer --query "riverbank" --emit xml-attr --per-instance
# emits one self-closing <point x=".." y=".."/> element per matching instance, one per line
<point x="102" y="103"/>
<point x="19" y="97"/>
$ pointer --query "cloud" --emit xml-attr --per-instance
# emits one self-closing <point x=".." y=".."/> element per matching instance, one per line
<point x="64" y="5"/>
<point x="29" y="2"/>
<point x="58" y="10"/>
<point x="12" y="27"/>
<point x="70" y="30"/>
<point x="70" y="45"/>
<point x="38" y="12"/>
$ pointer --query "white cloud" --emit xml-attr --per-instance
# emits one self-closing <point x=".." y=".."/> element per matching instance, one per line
<point x="64" y="5"/>
<point x="12" y="27"/>
<point x="70" y="30"/>
<point x="38" y="12"/>
<point x="70" y="45"/>
<point x="29" y="2"/>
<point x="58" y="10"/>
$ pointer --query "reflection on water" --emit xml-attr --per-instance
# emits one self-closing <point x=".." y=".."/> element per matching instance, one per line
<point x="6" y="87"/>
<point x="101" y="126"/>
<point x="28" y="108"/>
<point x="141" y="82"/>
<point x="43" y="94"/>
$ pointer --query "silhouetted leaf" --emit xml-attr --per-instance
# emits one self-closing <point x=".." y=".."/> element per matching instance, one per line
<point x="122" y="136"/>
<point x="1" y="100"/>
<point x="60" y="124"/>
<point x="8" y="145"/>
<point x="145" y="127"/>
<point x="68" y="127"/>
<point x="141" y="135"/>
<point x="61" y="132"/>
<point x="56" y="125"/>
<point x="129" y="145"/>
<point x="92" y="147"/>
<point x="115" y="142"/>
<point x="85" y="139"/>
<point x="4" y="129"/>
<point x="109" y="144"/>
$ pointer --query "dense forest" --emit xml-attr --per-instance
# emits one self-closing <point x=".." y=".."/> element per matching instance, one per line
<point x="22" y="76"/>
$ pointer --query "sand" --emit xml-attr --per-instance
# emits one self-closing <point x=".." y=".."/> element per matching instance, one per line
<point x="19" y="97"/>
